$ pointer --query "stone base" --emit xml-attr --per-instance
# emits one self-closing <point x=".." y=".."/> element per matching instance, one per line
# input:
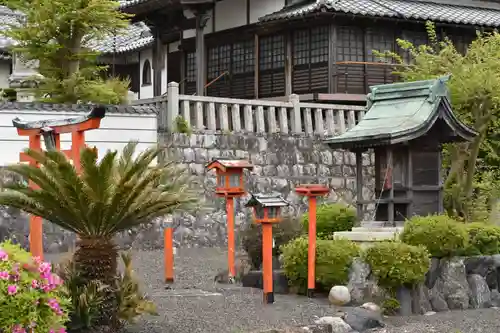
<point x="369" y="233"/>
<point x="254" y="280"/>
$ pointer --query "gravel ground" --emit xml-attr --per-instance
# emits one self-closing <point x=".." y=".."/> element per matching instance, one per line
<point x="195" y="304"/>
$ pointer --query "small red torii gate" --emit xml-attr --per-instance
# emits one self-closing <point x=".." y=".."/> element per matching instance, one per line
<point x="51" y="131"/>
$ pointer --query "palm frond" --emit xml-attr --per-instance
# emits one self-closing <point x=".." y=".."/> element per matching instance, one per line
<point x="109" y="196"/>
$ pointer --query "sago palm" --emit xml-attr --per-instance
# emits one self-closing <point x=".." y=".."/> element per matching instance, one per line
<point x="107" y="197"/>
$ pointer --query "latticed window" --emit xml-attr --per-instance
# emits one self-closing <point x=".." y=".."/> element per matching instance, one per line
<point x="272" y="66"/>
<point x="378" y="72"/>
<point x="190" y="78"/>
<point x="232" y="68"/>
<point x="461" y="38"/>
<point x="349" y="69"/>
<point x="310" y="60"/>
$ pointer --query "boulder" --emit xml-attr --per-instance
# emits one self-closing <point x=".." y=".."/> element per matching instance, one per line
<point x="362" y="287"/>
<point x="420" y="300"/>
<point x="495" y="297"/>
<point x="432" y="275"/>
<point x="339" y="295"/>
<point x="362" y="320"/>
<point x="403" y="296"/>
<point x="371" y="307"/>
<point x="480" y="296"/>
<point x="480" y="265"/>
<point x="452" y="283"/>
<point x="338" y="324"/>
<point x="437" y="300"/>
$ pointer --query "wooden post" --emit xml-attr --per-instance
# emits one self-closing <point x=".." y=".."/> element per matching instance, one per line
<point x="77" y="143"/>
<point x="267" y="262"/>
<point x="36" y="223"/>
<point x="311" y="253"/>
<point x="168" y="255"/>
<point x="230" y="235"/>
<point x="312" y="191"/>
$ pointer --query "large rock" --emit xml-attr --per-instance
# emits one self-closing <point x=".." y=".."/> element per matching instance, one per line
<point x="338" y="324"/>
<point x="420" y="300"/>
<point x="480" y="296"/>
<point x="480" y="265"/>
<point x="362" y="320"/>
<point x="339" y="295"/>
<point x="495" y="298"/>
<point x="362" y="286"/>
<point x="432" y="275"/>
<point x="452" y="283"/>
<point x="437" y="300"/>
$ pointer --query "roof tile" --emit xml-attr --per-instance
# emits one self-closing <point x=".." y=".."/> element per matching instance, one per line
<point x="53" y="107"/>
<point x="404" y="9"/>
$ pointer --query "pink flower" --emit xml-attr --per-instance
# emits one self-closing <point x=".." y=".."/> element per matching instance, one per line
<point x="18" y="329"/>
<point x="37" y="260"/>
<point x="45" y="267"/>
<point x="34" y="284"/>
<point x="12" y="289"/>
<point x="62" y="330"/>
<point x="4" y="275"/>
<point x="3" y="255"/>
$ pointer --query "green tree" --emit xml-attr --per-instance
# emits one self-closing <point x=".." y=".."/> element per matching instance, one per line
<point x="475" y="96"/>
<point x="108" y="197"/>
<point x="57" y="34"/>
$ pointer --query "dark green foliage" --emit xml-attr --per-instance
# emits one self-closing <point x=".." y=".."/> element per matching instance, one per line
<point x="396" y="264"/>
<point x="110" y="196"/>
<point x="333" y="260"/>
<point x="283" y="232"/>
<point x="484" y="239"/>
<point x="8" y="94"/>
<point x="331" y="218"/>
<point x="440" y="234"/>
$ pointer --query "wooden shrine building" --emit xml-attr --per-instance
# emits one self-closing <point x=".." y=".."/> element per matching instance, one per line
<point x="405" y="125"/>
<point x="272" y="48"/>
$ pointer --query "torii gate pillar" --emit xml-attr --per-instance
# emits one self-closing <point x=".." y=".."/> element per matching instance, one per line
<point x="51" y="131"/>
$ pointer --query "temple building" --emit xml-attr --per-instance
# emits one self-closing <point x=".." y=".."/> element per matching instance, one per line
<point x="319" y="49"/>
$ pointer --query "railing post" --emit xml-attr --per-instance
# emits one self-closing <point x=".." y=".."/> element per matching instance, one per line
<point x="296" y="119"/>
<point x="172" y="106"/>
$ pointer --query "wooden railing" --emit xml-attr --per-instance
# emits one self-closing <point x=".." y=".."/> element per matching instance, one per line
<point x="204" y="113"/>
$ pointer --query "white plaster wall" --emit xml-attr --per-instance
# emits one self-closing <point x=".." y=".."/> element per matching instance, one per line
<point x="4" y="73"/>
<point x="148" y="91"/>
<point x="230" y="14"/>
<point x="259" y="8"/>
<point x="115" y="132"/>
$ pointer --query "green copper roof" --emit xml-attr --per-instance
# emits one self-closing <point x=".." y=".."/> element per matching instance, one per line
<point x="402" y="112"/>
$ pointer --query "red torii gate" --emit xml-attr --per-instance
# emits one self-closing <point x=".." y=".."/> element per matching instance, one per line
<point x="51" y="131"/>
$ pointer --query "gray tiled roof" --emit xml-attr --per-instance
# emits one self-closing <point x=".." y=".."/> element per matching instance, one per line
<point x="51" y="107"/>
<point x="135" y="37"/>
<point x="403" y="9"/>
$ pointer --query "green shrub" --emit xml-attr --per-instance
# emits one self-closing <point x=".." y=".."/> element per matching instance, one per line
<point x="283" y="232"/>
<point x="396" y="264"/>
<point x="333" y="260"/>
<point x="32" y="297"/>
<point x="331" y="218"/>
<point x="390" y="306"/>
<point x="484" y="239"/>
<point x="440" y="234"/>
<point x="182" y="126"/>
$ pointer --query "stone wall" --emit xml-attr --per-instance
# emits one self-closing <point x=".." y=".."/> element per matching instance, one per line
<point x="457" y="283"/>
<point x="281" y="162"/>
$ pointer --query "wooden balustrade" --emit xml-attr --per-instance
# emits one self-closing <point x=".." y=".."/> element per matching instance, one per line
<point x="204" y="113"/>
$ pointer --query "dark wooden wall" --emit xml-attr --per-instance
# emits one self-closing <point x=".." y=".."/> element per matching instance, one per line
<point x="324" y="57"/>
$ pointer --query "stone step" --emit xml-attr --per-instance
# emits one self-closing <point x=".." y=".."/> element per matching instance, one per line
<point x="378" y="229"/>
<point x="373" y="224"/>
<point x="363" y="236"/>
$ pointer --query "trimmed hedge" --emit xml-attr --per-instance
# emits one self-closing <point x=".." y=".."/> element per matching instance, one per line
<point x="396" y="264"/>
<point x="333" y="260"/>
<point x="331" y="218"/>
<point x="440" y="234"/>
<point x="484" y="239"/>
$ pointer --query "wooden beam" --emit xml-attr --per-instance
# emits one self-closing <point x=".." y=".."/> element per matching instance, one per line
<point x="89" y="124"/>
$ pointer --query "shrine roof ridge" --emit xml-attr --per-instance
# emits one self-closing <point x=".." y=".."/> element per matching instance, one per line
<point x="274" y="199"/>
<point x="402" y="112"/>
<point x="472" y="12"/>
<point x="6" y="106"/>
